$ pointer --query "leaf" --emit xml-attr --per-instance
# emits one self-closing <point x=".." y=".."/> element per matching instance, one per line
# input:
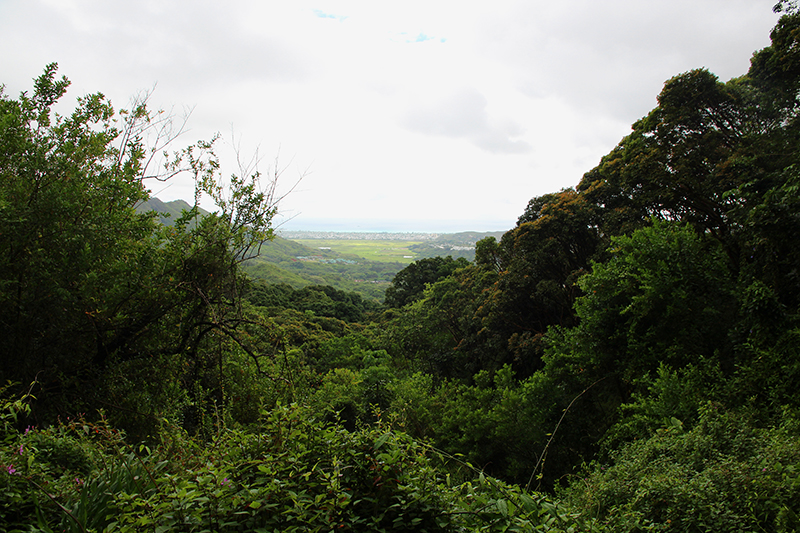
<point x="502" y="506"/>
<point x="380" y="441"/>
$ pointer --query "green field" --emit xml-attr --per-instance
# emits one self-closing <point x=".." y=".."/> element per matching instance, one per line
<point x="385" y="251"/>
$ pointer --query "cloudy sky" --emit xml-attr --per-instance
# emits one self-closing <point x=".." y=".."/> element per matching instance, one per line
<point x="413" y="115"/>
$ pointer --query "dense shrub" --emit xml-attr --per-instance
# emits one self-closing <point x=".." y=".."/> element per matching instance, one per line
<point x="722" y="475"/>
<point x="289" y="472"/>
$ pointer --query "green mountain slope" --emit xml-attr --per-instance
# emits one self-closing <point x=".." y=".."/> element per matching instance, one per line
<point x="288" y="261"/>
<point x="285" y="261"/>
<point x="168" y="212"/>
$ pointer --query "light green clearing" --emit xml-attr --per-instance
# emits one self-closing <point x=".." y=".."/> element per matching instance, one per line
<point x="387" y="251"/>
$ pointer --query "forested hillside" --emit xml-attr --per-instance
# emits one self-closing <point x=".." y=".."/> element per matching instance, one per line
<point x="286" y="261"/>
<point x="167" y="212"/>
<point x="626" y="358"/>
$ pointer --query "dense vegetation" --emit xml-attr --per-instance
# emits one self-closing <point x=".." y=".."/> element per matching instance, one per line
<point x="624" y="359"/>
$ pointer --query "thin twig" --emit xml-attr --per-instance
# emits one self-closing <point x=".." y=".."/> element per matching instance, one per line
<point x="553" y="434"/>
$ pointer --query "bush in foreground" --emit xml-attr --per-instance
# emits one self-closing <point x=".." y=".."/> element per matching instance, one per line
<point x="289" y="472"/>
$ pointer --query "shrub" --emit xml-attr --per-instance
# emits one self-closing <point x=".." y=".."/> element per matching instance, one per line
<point x="291" y="472"/>
<point x="722" y="475"/>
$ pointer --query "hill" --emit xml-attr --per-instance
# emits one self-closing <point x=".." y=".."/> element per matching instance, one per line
<point x="168" y="212"/>
<point x="285" y="261"/>
<point x="453" y="244"/>
<point x="360" y="262"/>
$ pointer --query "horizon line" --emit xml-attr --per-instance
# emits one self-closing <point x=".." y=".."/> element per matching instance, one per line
<point x="373" y="225"/>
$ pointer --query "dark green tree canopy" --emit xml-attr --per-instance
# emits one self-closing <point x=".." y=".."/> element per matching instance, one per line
<point x="408" y="285"/>
<point x="321" y="300"/>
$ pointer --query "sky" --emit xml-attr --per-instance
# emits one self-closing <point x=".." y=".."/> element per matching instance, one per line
<point x="426" y="115"/>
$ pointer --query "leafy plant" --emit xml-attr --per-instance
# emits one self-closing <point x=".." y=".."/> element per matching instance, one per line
<point x="723" y="474"/>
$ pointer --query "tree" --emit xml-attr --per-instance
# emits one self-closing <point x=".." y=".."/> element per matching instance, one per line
<point x="666" y="296"/>
<point x="709" y="151"/>
<point x="408" y="284"/>
<point x="89" y="288"/>
<point x="677" y="162"/>
<point x="537" y="264"/>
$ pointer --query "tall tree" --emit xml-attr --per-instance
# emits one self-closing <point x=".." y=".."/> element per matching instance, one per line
<point x="87" y="284"/>
<point x="538" y="263"/>
<point x="409" y="284"/>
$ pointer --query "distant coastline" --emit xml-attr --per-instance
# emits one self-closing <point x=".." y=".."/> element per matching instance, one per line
<point x="358" y="235"/>
<point x="376" y="226"/>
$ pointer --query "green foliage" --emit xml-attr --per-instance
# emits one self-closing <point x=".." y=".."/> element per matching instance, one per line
<point x="322" y="300"/>
<point x="672" y="399"/>
<point x="356" y="380"/>
<point x="724" y="474"/>
<point x="772" y="226"/>
<point x="665" y="295"/>
<point x="663" y="300"/>
<point x="68" y="229"/>
<point x="678" y="163"/>
<point x="499" y="423"/>
<point x="644" y="324"/>
<point x="409" y="284"/>
<point x="294" y="474"/>
<point x="90" y="289"/>
<point x="537" y="264"/>
<point x="15" y="500"/>
<point x="767" y="377"/>
<point x="289" y="472"/>
<point x="11" y="411"/>
<point x="440" y="333"/>
<point x="279" y="263"/>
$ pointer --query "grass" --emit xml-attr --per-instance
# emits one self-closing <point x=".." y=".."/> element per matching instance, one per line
<point x="377" y="250"/>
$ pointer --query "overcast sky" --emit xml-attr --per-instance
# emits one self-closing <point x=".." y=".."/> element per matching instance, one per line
<point x="406" y="115"/>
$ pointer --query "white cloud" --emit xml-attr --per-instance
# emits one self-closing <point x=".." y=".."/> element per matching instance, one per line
<point x="463" y="114"/>
<point x="419" y="109"/>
